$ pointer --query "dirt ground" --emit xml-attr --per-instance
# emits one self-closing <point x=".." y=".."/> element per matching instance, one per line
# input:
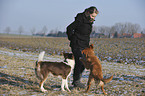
<point x="17" y="77"/>
<point x="120" y="50"/>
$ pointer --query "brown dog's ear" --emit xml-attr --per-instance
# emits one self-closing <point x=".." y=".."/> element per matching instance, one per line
<point x="92" y="46"/>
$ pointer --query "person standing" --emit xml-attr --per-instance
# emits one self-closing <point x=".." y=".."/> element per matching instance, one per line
<point x="78" y="33"/>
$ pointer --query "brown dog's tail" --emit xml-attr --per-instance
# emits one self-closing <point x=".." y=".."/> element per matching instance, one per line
<point x="108" y="79"/>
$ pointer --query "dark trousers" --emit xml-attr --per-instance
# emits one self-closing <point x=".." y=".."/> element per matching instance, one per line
<point x="79" y="67"/>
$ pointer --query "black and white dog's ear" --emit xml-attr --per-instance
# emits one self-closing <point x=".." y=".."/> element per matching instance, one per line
<point x="68" y="55"/>
<point x="65" y="55"/>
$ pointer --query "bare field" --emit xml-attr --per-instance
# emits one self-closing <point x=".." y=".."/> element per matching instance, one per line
<point x="17" y="76"/>
<point x="127" y="51"/>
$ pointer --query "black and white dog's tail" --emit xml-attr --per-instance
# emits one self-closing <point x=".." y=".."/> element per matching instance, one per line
<point x="41" y="55"/>
<point x="37" y="67"/>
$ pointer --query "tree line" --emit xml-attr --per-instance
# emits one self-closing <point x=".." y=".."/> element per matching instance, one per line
<point x="118" y="28"/>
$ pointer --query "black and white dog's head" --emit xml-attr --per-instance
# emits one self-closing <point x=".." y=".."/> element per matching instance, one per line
<point x="69" y="59"/>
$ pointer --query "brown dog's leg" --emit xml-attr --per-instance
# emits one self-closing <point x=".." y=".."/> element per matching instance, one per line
<point x="101" y="83"/>
<point x="89" y="83"/>
<point x="102" y="87"/>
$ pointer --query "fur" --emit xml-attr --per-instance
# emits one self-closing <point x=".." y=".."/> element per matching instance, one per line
<point x="63" y="69"/>
<point x="91" y="62"/>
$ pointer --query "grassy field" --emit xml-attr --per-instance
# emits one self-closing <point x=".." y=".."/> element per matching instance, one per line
<point x="17" y="76"/>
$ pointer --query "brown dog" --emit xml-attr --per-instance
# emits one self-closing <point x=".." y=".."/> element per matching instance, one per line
<point x="93" y="63"/>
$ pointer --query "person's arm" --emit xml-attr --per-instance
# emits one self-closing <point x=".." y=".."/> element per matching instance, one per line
<point x="71" y="28"/>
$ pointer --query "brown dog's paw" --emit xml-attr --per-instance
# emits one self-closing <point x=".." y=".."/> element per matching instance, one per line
<point x="105" y="93"/>
<point x="86" y="91"/>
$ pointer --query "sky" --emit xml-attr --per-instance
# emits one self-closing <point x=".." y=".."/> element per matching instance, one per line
<point x="58" y="14"/>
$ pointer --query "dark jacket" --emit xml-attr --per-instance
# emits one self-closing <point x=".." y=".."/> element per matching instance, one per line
<point x="79" y="31"/>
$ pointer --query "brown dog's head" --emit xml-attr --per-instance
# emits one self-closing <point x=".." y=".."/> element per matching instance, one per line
<point x="89" y="51"/>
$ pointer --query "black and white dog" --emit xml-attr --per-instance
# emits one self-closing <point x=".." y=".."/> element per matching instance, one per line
<point x="63" y="69"/>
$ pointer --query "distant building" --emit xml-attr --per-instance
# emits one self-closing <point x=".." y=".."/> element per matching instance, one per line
<point x="126" y="35"/>
<point x="97" y="35"/>
<point x="138" y="35"/>
<point x="39" y="34"/>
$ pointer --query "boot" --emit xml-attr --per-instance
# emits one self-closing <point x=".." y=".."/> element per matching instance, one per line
<point x="78" y="84"/>
<point x="76" y="81"/>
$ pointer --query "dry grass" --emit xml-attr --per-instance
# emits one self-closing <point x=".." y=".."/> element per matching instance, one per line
<point x="17" y="76"/>
<point x="127" y="51"/>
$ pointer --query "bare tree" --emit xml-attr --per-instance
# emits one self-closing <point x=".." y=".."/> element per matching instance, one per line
<point x="112" y="30"/>
<point x="143" y="31"/>
<point x="95" y="29"/>
<point x="51" y="31"/>
<point x="136" y="28"/>
<point x="33" y="30"/>
<point x="44" y="30"/>
<point x="133" y="28"/>
<point x="105" y="30"/>
<point x="20" y="30"/>
<point x="121" y="28"/>
<point x="7" y="30"/>
<point x="101" y="29"/>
